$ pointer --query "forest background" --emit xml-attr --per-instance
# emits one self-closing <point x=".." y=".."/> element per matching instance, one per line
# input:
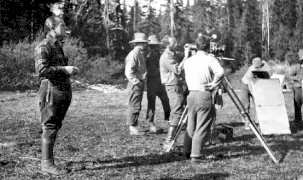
<point x="101" y="31"/>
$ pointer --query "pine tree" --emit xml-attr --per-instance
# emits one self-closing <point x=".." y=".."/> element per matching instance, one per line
<point x="252" y="29"/>
<point x="283" y="27"/>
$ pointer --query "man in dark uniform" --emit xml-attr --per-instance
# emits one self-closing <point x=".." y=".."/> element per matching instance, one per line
<point x="154" y="85"/>
<point x="55" y="92"/>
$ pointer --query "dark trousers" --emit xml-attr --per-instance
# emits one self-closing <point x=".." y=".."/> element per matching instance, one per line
<point x="54" y="102"/>
<point x="201" y="114"/>
<point x="176" y="102"/>
<point x="245" y="97"/>
<point x="154" y="89"/>
<point x="298" y="107"/>
<point x="135" y="95"/>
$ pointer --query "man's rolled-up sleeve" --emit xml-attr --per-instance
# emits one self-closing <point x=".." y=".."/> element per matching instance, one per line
<point x="172" y="65"/>
<point x="43" y="66"/>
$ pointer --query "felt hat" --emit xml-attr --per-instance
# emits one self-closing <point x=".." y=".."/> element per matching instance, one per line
<point x="139" y="37"/>
<point x="153" y="40"/>
<point x="257" y="62"/>
<point x="300" y="53"/>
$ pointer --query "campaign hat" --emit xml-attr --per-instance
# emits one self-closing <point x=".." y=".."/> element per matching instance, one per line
<point x="139" y="37"/>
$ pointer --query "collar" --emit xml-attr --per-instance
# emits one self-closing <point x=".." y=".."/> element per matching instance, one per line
<point x="53" y="40"/>
<point x="201" y="52"/>
<point x="168" y="51"/>
<point x="138" y="49"/>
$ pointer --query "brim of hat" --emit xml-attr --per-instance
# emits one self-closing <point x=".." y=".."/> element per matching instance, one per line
<point x="260" y="65"/>
<point x="155" y="43"/>
<point x="135" y="41"/>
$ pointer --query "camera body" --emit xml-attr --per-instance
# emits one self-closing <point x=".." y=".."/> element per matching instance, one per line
<point x="191" y="47"/>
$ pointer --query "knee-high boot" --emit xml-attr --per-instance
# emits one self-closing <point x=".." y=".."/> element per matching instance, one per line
<point x="47" y="163"/>
<point x="187" y="144"/>
<point x="170" y="133"/>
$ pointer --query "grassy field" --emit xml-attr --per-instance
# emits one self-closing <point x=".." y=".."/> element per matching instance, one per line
<point x="94" y="143"/>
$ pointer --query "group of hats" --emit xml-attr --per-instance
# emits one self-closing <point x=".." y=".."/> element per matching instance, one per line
<point x="141" y="37"/>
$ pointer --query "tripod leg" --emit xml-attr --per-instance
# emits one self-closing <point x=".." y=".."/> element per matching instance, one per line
<point x="211" y="135"/>
<point x="181" y="123"/>
<point x="252" y="125"/>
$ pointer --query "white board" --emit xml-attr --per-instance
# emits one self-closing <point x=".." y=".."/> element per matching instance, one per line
<point x="270" y="106"/>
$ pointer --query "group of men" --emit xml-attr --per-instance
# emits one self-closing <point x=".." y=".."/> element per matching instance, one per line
<point x="178" y="83"/>
<point x="163" y="74"/>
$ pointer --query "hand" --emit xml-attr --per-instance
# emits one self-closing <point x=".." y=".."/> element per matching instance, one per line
<point x="71" y="70"/>
<point x="186" y="50"/>
<point x="209" y="86"/>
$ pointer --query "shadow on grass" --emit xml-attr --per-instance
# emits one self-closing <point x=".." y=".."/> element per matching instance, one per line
<point x="130" y="161"/>
<point x="207" y="176"/>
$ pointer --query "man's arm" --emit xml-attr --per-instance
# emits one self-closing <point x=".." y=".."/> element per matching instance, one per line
<point x="292" y="73"/>
<point x="130" y="68"/>
<point x="218" y="71"/>
<point x="186" y="54"/>
<point x="171" y="64"/>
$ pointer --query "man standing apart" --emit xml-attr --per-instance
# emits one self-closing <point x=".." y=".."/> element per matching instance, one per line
<point x="154" y="85"/>
<point x="171" y="77"/>
<point x="257" y="65"/>
<point x="135" y="72"/>
<point x="296" y="75"/>
<point x="55" y="92"/>
<point x="203" y="73"/>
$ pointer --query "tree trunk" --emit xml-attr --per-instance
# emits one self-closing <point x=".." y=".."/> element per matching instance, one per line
<point x="135" y="4"/>
<point x="172" y="18"/>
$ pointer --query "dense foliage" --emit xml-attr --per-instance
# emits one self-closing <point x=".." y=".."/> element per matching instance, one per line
<point x="101" y="30"/>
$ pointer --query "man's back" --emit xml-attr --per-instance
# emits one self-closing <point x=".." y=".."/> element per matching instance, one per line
<point x="200" y="70"/>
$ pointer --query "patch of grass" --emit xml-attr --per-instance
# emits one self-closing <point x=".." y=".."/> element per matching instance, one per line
<point x="94" y="143"/>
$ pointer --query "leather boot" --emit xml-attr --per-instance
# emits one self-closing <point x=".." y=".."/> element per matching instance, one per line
<point x="47" y="163"/>
<point x="170" y="132"/>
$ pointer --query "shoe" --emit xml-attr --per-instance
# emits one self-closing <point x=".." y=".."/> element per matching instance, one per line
<point x="247" y="126"/>
<point x="198" y="160"/>
<point x="49" y="167"/>
<point x="134" y="131"/>
<point x="155" y="130"/>
<point x="186" y="155"/>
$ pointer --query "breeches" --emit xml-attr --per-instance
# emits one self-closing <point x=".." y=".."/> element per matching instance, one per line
<point x="245" y="96"/>
<point x="53" y="103"/>
<point x="135" y="95"/>
<point x="154" y="89"/>
<point x="176" y="102"/>
<point x="298" y="106"/>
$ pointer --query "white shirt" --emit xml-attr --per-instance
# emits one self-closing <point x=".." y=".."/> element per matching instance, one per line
<point x="201" y="69"/>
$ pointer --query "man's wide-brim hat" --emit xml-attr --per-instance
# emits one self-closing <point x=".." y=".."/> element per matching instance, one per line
<point x="257" y="62"/>
<point x="153" y="40"/>
<point x="300" y="53"/>
<point x="139" y="37"/>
